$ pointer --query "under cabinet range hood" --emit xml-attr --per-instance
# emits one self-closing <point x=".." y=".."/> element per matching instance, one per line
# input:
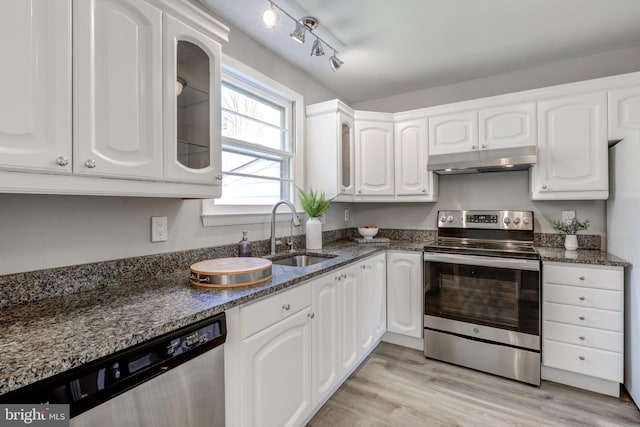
<point x="503" y="159"/>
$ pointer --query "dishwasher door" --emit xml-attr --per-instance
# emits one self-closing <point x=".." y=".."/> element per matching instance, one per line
<point x="189" y="395"/>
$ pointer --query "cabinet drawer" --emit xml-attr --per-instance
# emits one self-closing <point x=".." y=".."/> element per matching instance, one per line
<point x="586" y="337"/>
<point x="584" y="297"/>
<point x="586" y="317"/>
<point x="584" y="275"/>
<point x="264" y="313"/>
<point x="583" y="360"/>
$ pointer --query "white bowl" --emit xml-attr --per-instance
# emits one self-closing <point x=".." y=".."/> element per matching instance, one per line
<point x="368" y="232"/>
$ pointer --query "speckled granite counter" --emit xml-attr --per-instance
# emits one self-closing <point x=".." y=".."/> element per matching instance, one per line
<point x="52" y="335"/>
<point x="581" y="256"/>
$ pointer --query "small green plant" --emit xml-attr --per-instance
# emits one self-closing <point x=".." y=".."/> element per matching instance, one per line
<point x="313" y="203"/>
<point x="570" y="227"/>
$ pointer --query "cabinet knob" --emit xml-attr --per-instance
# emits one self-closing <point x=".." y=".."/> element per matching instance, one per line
<point x="338" y="278"/>
<point x="424" y="190"/>
<point x="581" y="277"/>
<point x="311" y="315"/>
<point x="581" y="317"/>
<point x="360" y="191"/>
<point x="90" y="163"/>
<point x="286" y="306"/>
<point x="544" y="187"/>
<point x="581" y="338"/>
<point x="483" y="146"/>
<point x="581" y="357"/>
<point x="473" y="147"/>
<point x="581" y="298"/>
<point x="219" y="177"/>
<point x="62" y="161"/>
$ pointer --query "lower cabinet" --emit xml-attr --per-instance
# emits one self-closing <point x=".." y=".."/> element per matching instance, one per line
<point x="404" y="293"/>
<point x="582" y="328"/>
<point x="286" y="354"/>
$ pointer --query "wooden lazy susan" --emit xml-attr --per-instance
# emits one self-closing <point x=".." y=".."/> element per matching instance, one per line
<point x="230" y="272"/>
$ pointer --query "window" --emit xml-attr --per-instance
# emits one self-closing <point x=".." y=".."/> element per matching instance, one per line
<point x="261" y="150"/>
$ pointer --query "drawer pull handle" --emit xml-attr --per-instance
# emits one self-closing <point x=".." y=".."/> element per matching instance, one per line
<point x="311" y="315"/>
<point x="581" y="277"/>
<point x="581" y="338"/>
<point x="581" y="298"/>
<point x="286" y="306"/>
<point x="581" y="317"/>
<point x="581" y="357"/>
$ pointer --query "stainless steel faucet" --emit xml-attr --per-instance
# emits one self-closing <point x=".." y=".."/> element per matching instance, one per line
<point x="294" y="218"/>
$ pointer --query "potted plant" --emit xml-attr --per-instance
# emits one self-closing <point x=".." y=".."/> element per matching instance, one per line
<point x="570" y="228"/>
<point x="315" y="205"/>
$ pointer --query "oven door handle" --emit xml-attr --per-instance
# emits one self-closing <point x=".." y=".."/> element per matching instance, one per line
<point x="483" y="261"/>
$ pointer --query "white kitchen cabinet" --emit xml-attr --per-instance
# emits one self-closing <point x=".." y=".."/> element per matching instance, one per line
<point x="330" y="149"/>
<point x="454" y="132"/>
<point x="583" y="326"/>
<point x="410" y="155"/>
<point x="624" y="112"/>
<point x="373" y="301"/>
<point x="117" y="89"/>
<point x="507" y="126"/>
<point x="572" y="148"/>
<point x="374" y="154"/>
<point x="35" y="82"/>
<point x="192" y="151"/>
<point x="349" y="318"/>
<point x="404" y="293"/>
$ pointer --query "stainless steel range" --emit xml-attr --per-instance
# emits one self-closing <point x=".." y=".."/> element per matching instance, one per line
<point x="482" y="293"/>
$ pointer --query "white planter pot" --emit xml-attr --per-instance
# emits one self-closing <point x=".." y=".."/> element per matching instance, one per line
<point x="314" y="233"/>
<point x="571" y="242"/>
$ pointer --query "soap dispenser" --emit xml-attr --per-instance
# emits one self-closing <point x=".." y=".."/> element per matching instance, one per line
<point x="244" y="245"/>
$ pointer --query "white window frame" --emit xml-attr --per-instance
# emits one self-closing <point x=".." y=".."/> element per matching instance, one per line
<point x="217" y="215"/>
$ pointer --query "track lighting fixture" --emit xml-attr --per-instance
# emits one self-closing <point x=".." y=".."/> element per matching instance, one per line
<point x="304" y="24"/>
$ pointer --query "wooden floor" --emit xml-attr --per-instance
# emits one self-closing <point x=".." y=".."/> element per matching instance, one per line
<point x="397" y="386"/>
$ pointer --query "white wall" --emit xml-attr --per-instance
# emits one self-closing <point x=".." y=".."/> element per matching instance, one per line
<point x="590" y="67"/>
<point x="499" y="190"/>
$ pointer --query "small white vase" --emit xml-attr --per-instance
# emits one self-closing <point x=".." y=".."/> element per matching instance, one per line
<point x="571" y="242"/>
<point x="313" y="228"/>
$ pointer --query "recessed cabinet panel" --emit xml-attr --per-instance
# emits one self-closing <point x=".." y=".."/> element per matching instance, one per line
<point x="453" y="133"/>
<point x="118" y="89"/>
<point x="346" y="141"/>
<point x="374" y="154"/>
<point x="507" y="126"/>
<point x="191" y="128"/>
<point x="35" y="83"/>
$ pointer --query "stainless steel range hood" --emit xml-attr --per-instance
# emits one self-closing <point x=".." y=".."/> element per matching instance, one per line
<point x="503" y="159"/>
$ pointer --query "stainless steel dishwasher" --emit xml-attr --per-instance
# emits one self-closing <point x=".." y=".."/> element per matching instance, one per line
<point x="174" y="380"/>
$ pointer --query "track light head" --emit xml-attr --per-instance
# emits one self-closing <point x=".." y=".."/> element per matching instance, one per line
<point x="317" y="49"/>
<point x="298" y="33"/>
<point x="334" y="62"/>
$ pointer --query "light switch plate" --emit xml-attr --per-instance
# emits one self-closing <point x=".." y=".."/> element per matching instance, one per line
<point x="568" y="216"/>
<point x="159" y="229"/>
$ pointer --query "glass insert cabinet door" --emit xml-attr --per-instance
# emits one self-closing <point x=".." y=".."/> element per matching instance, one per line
<point x="192" y="106"/>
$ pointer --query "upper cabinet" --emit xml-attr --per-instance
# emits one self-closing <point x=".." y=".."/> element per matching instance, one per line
<point x="35" y="82"/>
<point x="624" y="112"/>
<point x="330" y="149"/>
<point x="572" y="148"/>
<point x="374" y="154"/>
<point x="453" y="133"/>
<point x="117" y="89"/>
<point x="133" y="119"/>
<point x="410" y="154"/>
<point x="507" y="126"/>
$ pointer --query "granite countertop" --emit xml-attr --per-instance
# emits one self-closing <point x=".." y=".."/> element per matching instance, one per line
<point x="52" y="335"/>
<point x="581" y="256"/>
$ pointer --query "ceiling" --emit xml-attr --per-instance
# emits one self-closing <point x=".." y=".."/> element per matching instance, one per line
<point x="394" y="47"/>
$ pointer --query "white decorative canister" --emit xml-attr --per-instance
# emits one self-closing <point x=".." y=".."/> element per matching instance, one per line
<point x="314" y="234"/>
<point x="571" y="242"/>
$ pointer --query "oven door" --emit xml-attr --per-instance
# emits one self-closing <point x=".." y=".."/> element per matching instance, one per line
<point x="500" y="295"/>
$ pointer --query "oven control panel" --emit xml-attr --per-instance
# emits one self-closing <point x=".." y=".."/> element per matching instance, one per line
<point x="493" y="220"/>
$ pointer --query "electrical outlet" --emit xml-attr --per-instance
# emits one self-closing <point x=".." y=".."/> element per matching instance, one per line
<point x="568" y="216"/>
<point x="346" y="215"/>
<point x="159" y="229"/>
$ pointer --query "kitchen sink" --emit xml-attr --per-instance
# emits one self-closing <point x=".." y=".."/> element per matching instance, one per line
<point x="303" y="260"/>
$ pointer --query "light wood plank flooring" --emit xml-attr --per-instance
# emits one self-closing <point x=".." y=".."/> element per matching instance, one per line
<point x="397" y="386"/>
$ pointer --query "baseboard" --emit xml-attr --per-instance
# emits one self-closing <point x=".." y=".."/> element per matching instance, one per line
<point x="598" y="385"/>
<point x="403" y="340"/>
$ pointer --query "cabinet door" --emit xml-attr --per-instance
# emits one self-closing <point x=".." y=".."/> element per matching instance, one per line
<point x="117" y="89"/>
<point x="404" y="293"/>
<point x="191" y="105"/>
<point x="411" y="176"/>
<point x="453" y="133"/>
<point x="35" y="83"/>
<point x="276" y="373"/>
<point x="373" y="301"/>
<point x="346" y="154"/>
<point x="507" y="126"/>
<point x="374" y="158"/>
<point x="349" y="320"/>
<point x="325" y="338"/>
<point x="624" y="112"/>
<point x="378" y="275"/>
<point x="572" y="148"/>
